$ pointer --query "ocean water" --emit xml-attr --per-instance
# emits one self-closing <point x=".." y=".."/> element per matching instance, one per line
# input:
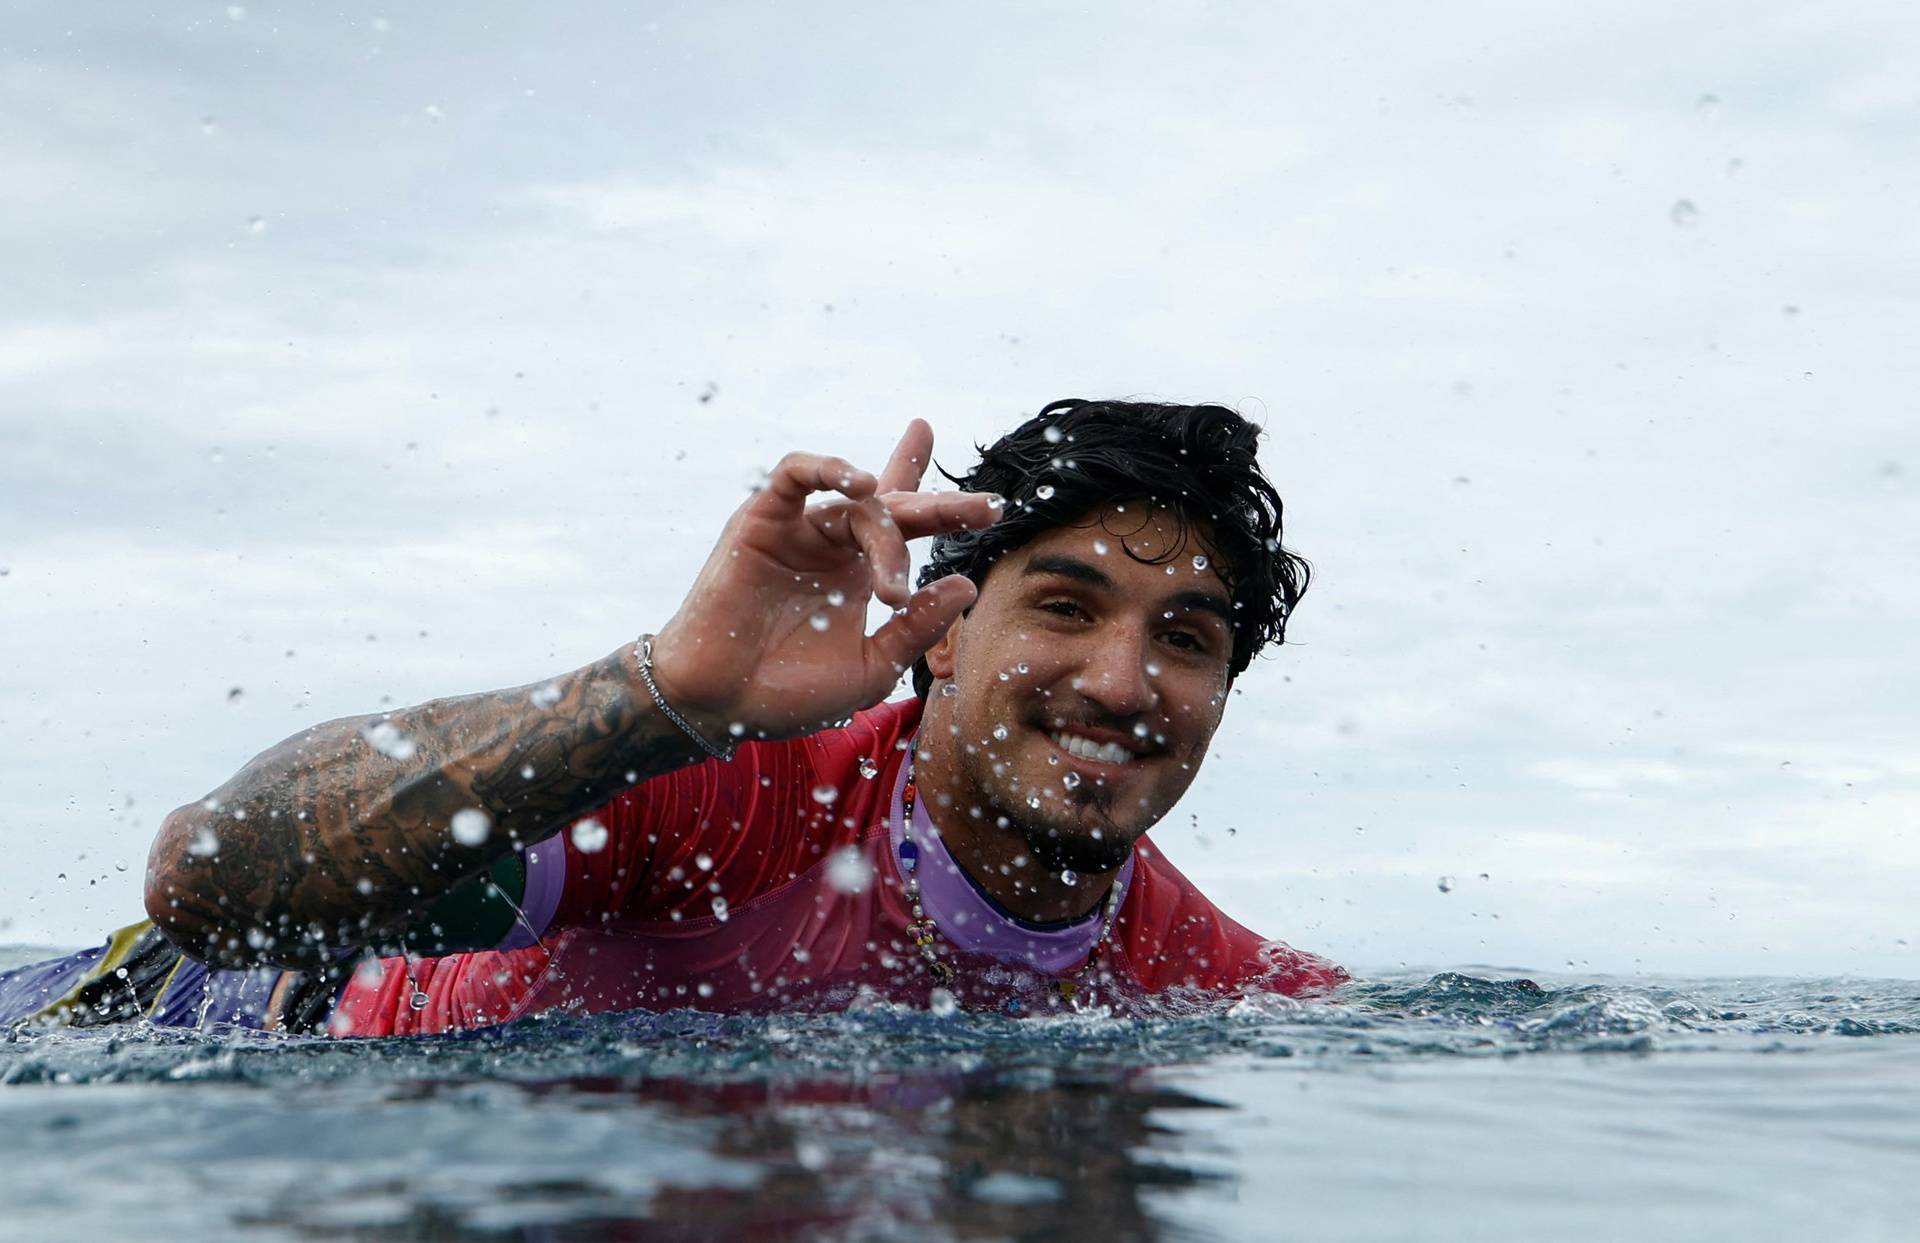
<point x="1436" y="1105"/>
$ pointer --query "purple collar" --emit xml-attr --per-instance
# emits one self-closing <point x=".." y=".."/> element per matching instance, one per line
<point x="970" y="920"/>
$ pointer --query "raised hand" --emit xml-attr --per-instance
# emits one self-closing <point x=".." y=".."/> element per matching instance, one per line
<point x="771" y="641"/>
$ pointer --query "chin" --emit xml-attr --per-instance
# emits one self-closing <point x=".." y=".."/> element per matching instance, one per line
<point x="1075" y="847"/>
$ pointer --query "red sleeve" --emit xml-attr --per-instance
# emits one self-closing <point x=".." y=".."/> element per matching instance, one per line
<point x="729" y="832"/>
<point x="1175" y="937"/>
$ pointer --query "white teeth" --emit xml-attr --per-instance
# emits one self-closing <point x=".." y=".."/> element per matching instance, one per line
<point x="1087" y="749"/>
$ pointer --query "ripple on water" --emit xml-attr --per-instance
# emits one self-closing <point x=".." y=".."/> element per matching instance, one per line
<point x="896" y="1123"/>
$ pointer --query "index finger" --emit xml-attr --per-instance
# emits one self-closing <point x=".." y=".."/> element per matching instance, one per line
<point x="909" y="460"/>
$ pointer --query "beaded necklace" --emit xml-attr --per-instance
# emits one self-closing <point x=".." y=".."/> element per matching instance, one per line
<point x="925" y="933"/>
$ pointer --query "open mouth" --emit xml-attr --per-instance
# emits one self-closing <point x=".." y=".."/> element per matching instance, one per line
<point x="1110" y="754"/>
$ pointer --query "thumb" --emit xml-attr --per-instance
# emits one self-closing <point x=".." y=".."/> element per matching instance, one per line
<point x="929" y="613"/>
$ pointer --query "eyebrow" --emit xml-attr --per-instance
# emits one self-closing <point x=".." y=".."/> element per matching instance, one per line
<point x="1061" y="566"/>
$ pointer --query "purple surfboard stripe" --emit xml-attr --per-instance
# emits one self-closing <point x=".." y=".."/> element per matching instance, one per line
<point x="240" y="997"/>
<point x="24" y="990"/>
<point x="180" y="1003"/>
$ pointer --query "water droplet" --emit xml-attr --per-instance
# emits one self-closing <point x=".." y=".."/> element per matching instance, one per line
<point x="719" y="908"/>
<point x="1052" y="435"/>
<point x="1000" y="732"/>
<point x="1099" y="548"/>
<point x="819" y="621"/>
<point x="1070" y="779"/>
<point x="256" y="224"/>
<point x="703" y="988"/>
<point x="1044" y="491"/>
<point x="470" y="826"/>
<point x="1708" y="105"/>
<point x="940" y="1004"/>
<point x="234" y="694"/>
<point x="1033" y="802"/>
<point x="704" y="862"/>
<point x="1023" y="667"/>
<point x="848" y="870"/>
<point x="1446" y="884"/>
<point x="1200" y="561"/>
<point x="1153" y="670"/>
<point x="1069" y="877"/>
<point x="825" y="794"/>
<point x="1683" y="213"/>
<point x="419" y="1000"/>
<point x="383" y="737"/>
<point x="545" y="695"/>
<point x="119" y="865"/>
<point x="949" y="690"/>
<point x="205" y="842"/>
<point x="836" y="598"/>
<point x="526" y="772"/>
<point x="869" y="767"/>
<point x="589" y="836"/>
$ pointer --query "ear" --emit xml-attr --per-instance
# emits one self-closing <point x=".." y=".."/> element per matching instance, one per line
<point x="942" y="656"/>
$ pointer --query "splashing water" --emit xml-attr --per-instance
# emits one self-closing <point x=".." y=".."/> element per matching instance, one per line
<point x="848" y="870"/>
<point x="470" y="826"/>
<point x="1451" y="1106"/>
<point x="386" y="738"/>
<point x="589" y="836"/>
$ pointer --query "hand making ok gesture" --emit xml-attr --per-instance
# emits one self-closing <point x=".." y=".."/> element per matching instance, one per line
<point x="771" y="641"/>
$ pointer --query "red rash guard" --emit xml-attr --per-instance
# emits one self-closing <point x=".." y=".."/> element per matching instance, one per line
<point x="767" y="883"/>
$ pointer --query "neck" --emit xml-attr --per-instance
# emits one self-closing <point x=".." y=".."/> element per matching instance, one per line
<point x="999" y="859"/>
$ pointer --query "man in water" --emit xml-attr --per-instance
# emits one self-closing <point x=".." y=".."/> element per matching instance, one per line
<point x="723" y="815"/>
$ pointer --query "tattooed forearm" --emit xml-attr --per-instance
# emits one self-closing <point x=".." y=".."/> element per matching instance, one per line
<point x="339" y="835"/>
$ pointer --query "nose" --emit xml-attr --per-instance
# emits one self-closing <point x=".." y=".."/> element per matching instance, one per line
<point x="1120" y="675"/>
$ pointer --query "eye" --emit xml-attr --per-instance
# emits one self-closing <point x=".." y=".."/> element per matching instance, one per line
<point x="1063" y="608"/>
<point x="1188" y="640"/>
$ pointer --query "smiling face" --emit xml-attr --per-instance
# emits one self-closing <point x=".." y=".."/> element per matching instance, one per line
<point x="1073" y="704"/>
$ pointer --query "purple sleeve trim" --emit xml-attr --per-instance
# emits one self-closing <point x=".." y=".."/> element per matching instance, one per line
<point x="546" y="877"/>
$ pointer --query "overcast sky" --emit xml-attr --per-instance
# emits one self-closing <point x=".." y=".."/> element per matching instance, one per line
<point x="352" y="356"/>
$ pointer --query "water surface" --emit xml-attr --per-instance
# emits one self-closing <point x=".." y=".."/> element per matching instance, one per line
<point x="1452" y="1105"/>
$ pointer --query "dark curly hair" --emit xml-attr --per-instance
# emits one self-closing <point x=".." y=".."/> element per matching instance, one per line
<point x="1078" y="456"/>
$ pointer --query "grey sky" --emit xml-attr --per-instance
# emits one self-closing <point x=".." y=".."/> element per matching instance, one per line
<point x="355" y="356"/>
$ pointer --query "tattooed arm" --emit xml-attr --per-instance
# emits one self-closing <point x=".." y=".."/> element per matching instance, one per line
<point x="342" y="835"/>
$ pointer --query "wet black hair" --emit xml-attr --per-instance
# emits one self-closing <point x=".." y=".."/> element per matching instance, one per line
<point x="1197" y="462"/>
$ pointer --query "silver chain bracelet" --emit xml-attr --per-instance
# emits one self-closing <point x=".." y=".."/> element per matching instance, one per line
<point x="643" y="656"/>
